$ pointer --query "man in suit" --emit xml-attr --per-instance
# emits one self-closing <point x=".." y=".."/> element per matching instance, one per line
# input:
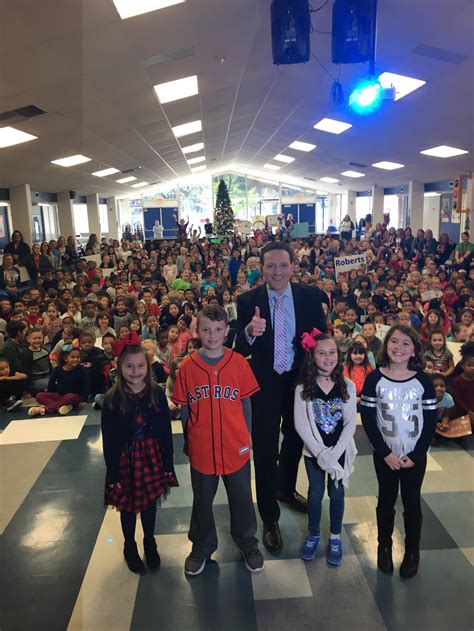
<point x="270" y="322"/>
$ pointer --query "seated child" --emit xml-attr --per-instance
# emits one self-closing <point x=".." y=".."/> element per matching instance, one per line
<point x="163" y="351"/>
<point x="12" y="385"/>
<point x="342" y="335"/>
<point x="93" y="360"/>
<point x="68" y="385"/>
<point x="444" y="401"/>
<point x="159" y="370"/>
<point x="36" y="362"/>
<point x="462" y="388"/>
<point x="175" y="409"/>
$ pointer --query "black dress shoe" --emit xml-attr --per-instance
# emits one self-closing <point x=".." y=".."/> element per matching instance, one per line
<point x="296" y="501"/>
<point x="384" y="559"/>
<point x="409" y="566"/>
<point x="272" y="537"/>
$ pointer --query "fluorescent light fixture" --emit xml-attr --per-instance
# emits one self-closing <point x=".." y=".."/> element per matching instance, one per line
<point x="105" y="172"/>
<point x="281" y="158"/>
<point x="199" y="169"/>
<point x="10" y="136"/>
<point x="193" y="148"/>
<point x="130" y="8"/>
<point x="388" y="166"/>
<point x="140" y="184"/>
<point x="329" y="180"/>
<point x="124" y="180"/>
<point x="332" y="126"/>
<point x="175" y="90"/>
<point x="443" y="151"/>
<point x="353" y="174"/>
<point x="197" y="160"/>
<point x="71" y="161"/>
<point x="302" y="146"/>
<point x="432" y="194"/>
<point x="188" y="128"/>
<point x="272" y="167"/>
<point x="403" y="85"/>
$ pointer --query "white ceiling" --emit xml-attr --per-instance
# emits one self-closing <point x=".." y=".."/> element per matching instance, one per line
<point x="93" y="74"/>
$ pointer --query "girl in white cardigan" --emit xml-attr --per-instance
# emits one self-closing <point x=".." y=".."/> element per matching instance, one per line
<point x="325" y="418"/>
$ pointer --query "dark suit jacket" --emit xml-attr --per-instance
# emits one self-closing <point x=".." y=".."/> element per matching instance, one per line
<point x="308" y="311"/>
<point x="44" y="266"/>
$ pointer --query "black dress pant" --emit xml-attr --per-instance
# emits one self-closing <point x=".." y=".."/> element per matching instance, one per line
<point x="409" y="481"/>
<point x="276" y="469"/>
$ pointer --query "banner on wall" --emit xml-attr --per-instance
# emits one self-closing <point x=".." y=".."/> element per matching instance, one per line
<point x="300" y="230"/>
<point x="457" y="201"/>
<point x="242" y="226"/>
<point x="445" y="210"/>
<point x="2" y="227"/>
<point x="349" y="262"/>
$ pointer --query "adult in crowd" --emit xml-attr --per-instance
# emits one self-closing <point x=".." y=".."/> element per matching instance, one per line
<point x="270" y="322"/>
<point x="71" y="255"/>
<point x="17" y="247"/>
<point x="346" y="228"/>
<point x="9" y="277"/>
<point x="37" y="263"/>
<point x="93" y="244"/>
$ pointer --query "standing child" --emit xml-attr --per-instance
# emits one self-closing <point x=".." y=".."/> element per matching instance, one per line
<point x="399" y="416"/>
<point x="325" y="418"/>
<point x="68" y="384"/>
<point x="138" y="449"/>
<point x="213" y="387"/>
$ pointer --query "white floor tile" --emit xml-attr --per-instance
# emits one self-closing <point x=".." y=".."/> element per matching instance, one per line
<point x="281" y="579"/>
<point x="38" y="430"/>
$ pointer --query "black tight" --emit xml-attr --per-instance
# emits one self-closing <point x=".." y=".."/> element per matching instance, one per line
<point x="129" y="520"/>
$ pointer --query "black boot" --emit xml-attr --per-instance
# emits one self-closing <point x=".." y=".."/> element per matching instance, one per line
<point x="134" y="562"/>
<point x="385" y="523"/>
<point x="151" y="554"/>
<point x="409" y="566"/>
<point x="384" y="559"/>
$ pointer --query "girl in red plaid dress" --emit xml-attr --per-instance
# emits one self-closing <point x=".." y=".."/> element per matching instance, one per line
<point x="138" y="449"/>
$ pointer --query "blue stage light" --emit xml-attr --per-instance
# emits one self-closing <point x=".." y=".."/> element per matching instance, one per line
<point x="366" y="96"/>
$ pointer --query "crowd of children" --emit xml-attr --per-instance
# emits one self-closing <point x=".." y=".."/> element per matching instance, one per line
<point x="87" y="333"/>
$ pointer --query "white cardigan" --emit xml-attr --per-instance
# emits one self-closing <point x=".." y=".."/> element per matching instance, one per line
<point x="327" y="457"/>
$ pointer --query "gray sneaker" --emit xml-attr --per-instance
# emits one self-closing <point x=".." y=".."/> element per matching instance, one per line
<point x="253" y="560"/>
<point x="14" y="404"/>
<point x="193" y="567"/>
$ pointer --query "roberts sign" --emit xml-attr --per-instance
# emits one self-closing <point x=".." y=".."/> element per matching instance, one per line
<point x="346" y="263"/>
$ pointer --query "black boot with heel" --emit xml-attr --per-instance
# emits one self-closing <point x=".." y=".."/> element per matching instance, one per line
<point x="385" y="525"/>
<point x="132" y="558"/>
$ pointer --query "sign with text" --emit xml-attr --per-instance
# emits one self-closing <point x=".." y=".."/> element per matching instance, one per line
<point x="348" y="262"/>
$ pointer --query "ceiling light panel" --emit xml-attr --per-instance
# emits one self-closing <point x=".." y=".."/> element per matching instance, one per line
<point x="388" y="166"/>
<point x="124" y="180"/>
<point x="198" y="169"/>
<point x="10" y="136"/>
<point x="444" y="151"/>
<point x="332" y="126"/>
<point x="329" y="180"/>
<point x="403" y="85"/>
<point x="196" y="160"/>
<point x="272" y="167"/>
<point x="193" y="148"/>
<point x="140" y="184"/>
<point x="353" y="174"/>
<point x="130" y="8"/>
<point x="71" y="161"/>
<point x="105" y="172"/>
<point x="188" y="128"/>
<point x="282" y="158"/>
<point x="175" y="90"/>
<point x="302" y="146"/>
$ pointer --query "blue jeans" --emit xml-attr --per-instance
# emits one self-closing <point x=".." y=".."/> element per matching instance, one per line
<point x="316" y="477"/>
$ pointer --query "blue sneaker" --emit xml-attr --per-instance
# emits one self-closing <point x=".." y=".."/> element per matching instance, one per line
<point x="310" y="546"/>
<point x="334" y="552"/>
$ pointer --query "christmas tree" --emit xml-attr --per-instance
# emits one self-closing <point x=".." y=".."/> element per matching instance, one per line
<point x="224" y="220"/>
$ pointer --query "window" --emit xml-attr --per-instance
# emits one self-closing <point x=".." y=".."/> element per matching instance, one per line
<point x="103" y="219"/>
<point x="81" y="219"/>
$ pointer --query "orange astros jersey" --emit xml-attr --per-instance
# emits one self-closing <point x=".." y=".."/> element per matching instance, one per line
<point x="218" y="438"/>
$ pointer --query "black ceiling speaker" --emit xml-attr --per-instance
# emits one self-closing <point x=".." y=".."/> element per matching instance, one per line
<point x="354" y="29"/>
<point x="72" y="194"/>
<point x="290" y="31"/>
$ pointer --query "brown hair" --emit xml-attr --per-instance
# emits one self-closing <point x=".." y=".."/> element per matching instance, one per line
<point x="414" y="363"/>
<point x="117" y="398"/>
<point x="309" y="371"/>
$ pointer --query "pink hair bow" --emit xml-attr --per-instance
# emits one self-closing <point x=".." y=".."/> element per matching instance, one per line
<point x="307" y="339"/>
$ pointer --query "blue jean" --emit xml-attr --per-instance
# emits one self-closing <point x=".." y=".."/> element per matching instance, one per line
<point x="316" y="477"/>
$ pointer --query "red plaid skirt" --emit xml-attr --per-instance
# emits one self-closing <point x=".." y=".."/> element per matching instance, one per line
<point x="142" y="479"/>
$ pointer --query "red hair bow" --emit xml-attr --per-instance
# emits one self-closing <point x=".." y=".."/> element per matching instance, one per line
<point x="307" y="339"/>
<point x="131" y="339"/>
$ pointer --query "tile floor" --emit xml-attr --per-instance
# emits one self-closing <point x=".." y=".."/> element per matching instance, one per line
<point x="61" y="563"/>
